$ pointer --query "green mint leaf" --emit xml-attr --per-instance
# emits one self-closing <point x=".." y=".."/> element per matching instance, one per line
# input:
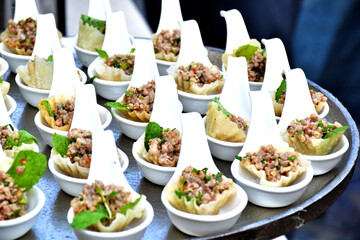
<point x="221" y="108"/>
<point x="92" y="79"/>
<point x="129" y="93"/>
<point x="111" y="195"/>
<point x="48" y="107"/>
<point x="280" y="90"/>
<point x="246" y="51"/>
<point x="152" y="130"/>
<point x="50" y="58"/>
<point x="25" y="137"/>
<point x="117" y="105"/>
<point x="180" y="194"/>
<point x="35" y="167"/>
<point x="87" y="218"/>
<point x="1" y="80"/>
<point x="96" y="23"/>
<point x="132" y="50"/>
<point x="61" y="144"/>
<point x="130" y="205"/>
<point x="335" y="131"/>
<point x="102" y="53"/>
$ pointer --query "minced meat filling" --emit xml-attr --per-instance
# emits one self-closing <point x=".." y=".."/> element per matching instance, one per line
<point x="240" y="122"/>
<point x="310" y="128"/>
<point x="124" y="61"/>
<point x="166" y="153"/>
<point x="256" y="67"/>
<point x="22" y="35"/>
<point x="203" y="186"/>
<point x="6" y="132"/>
<point x="274" y="163"/>
<point x="199" y="74"/>
<point x="90" y="198"/>
<point x="316" y="97"/>
<point x="141" y="99"/>
<point x="80" y="148"/>
<point x="167" y="42"/>
<point x="10" y="197"/>
<point x="63" y="113"/>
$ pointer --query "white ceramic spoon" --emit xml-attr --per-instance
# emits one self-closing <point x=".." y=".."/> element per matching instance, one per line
<point x="106" y="168"/>
<point x="195" y="152"/>
<point x="145" y="70"/>
<point x="25" y="9"/>
<point x="4" y="115"/>
<point x="235" y="99"/>
<point x="298" y="105"/>
<point x="167" y="115"/>
<point x="263" y="131"/>
<point x="99" y="8"/>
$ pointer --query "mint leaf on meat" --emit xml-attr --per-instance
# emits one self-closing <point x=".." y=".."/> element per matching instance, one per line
<point x="152" y="130"/>
<point x="130" y="205"/>
<point x="246" y="51"/>
<point x="280" y="90"/>
<point x="102" y="53"/>
<point x="117" y="105"/>
<point x="47" y="105"/>
<point x="61" y="144"/>
<point x="335" y="131"/>
<point x="87" y="218"/>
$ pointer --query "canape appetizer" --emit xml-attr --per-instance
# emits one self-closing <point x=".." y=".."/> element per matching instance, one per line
<point x="58" y="111"/>
<point x="4" y="87"/>
<point x="118" y="67"/>
<point x="223" y="125"/>
<point x="106" y="208"/>
<point x="274" y="166"/>
<point x="160" y="146"/>
<point x="200" y="192"/>
<point x="137" y="103"/>
<point x="167" y="45"/>
<point x="255" y="57"/>
<point x="313" y="135"/>
<point x="91" y="33"/>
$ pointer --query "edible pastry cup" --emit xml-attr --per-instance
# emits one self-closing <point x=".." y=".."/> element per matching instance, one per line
<point x="10" y="104"/>
<point x="4" y="67"/>
<point x="17" y="227"/>
<point x="14" y="60"/>
<point x="72" y="185"/>
<point x="34" y="95"/>
<point x="46" y="131"/>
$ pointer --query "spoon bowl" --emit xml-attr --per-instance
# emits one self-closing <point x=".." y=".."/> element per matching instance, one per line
<point x="14" y="60"/>
<point x="10" y="104"/>
<point x="4" y="67"/>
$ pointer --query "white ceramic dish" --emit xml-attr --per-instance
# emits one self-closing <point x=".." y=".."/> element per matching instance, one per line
<point x="46" y="131"/>
<point x="135" y="230"/>
<point x="163" y="65"/>
<point x="10" y="104"/>
<point x="111" y="90"/>
<point x="4" y="67"/>
<point x="271" y="197"/>
<point x="322" y="114"/>
<point x="255" y="86"/>
<point x="14" y="60"/>
<point x="73" y="186"/>
<point x="195" y="103"/>
<point x="224" y="150"/>
<point x="34" y="95"/>
<point x="15" y="228"/>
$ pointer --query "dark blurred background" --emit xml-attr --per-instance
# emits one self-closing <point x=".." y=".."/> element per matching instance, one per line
<point x="321" y="36"/>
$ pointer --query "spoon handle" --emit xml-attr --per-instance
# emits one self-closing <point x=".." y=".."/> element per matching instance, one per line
<point x="170" y="15"/>
<point x="4" y="115"/>
<point x="25" y="9"/>
<point x="99" y="8"/>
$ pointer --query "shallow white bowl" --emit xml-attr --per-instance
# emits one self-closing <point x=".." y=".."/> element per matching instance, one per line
<point x="271" y="197"/>
<point x="72" y="185"/>
<point x="14" y="60"/>
<point x="204" y="225"/>
<point x="195" y="103"/>
<point x="159" y="175"/>
<point x="111" y="90"/>
<point x="46" y="131"/>
<point x="163" y="65"/>
<point x="4" y="67"/>
<point x="255" y="86"/>
<point x="34" y="95"/>
<point x="15" y="228"/>
<point x="10" y="104"/>
<point x="325" y="163"/>
<point x="135" y="230"/>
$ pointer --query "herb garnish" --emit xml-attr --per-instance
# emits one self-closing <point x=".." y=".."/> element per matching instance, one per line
<point x="47" y="105"/>
<point x="92" y="79"/>
<point x="118" y="106"/>
<point x="152" y="130"/>
<point x="96" y="23"/>
<point x="280" y="90"/>
<point x="246" y="51"/>
<point x="221" y="108"/>
<point x="335" y="131"/>
<point x="102" y="53"/>
<point x="61" y="144"/>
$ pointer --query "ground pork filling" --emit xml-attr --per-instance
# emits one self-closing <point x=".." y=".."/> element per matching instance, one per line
<point x="22" y="35"/>
<point x="89" y="198"/>
<point x="256" y="67"/>
<point x="124" y="61"/>
<point x="316" y="97"/>
<point x="310" y="128"/>
<point x="203" y="186"/>
<point x="166" y="152"/>
<point x="167" y="42"/>
<point x="141" y="99"/>
<point x="11" y="197"/>
<point x="199" y="74"/>
<point x="275" y="164"/>
<point x="63" y="113"/>
<point x="80" y="148"/>
<point x="240" y="122"/>
<point x="6" y="132"/>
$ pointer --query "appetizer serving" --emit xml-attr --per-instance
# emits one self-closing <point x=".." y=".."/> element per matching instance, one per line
<point x="106" y="208"/>
<point x="223" y="125"/>
<point x="255" y="57"/>
<point x="275" y="166"/>
<point x="167" y="45"/>
<point x="91" y="33"/>
<point x="118" y="67"/>
<point x="137" y="103"/>
<point x="58" y="111"/>
<point x="160" y="146"/>
<point x="200" y="192"/>
<point x="313" y="135"/>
